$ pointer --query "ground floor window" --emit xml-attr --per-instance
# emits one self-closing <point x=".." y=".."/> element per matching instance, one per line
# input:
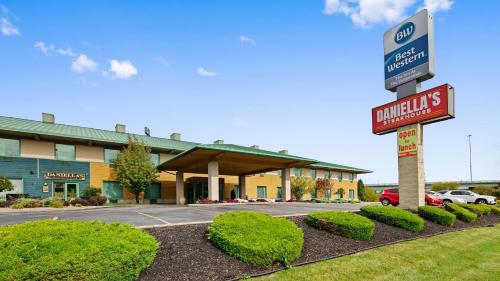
<point x="113" y="190"/>
<point x="65" y="191"/>
<point x="351" y="194"/>
<point x="278" y="192"/>
<point x="328" y="193"/>
<point x="235" y="193"/>
<point x="261" y="192"/>
<point x="314" y="193"/>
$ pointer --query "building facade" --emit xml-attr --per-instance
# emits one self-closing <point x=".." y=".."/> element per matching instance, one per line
<point x="45" y="159"/>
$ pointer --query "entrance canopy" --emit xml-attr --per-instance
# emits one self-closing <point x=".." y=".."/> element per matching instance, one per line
<point x="233" y="160"/>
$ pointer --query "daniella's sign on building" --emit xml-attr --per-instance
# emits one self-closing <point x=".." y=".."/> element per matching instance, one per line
<point x="63" y="176"/>
<point x="426" y="107"/>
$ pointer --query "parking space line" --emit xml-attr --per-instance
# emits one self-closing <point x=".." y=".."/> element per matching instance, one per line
<point x="153" y="217"/>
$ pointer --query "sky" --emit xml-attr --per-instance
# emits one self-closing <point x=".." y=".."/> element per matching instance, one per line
<point x="299" y="75"/>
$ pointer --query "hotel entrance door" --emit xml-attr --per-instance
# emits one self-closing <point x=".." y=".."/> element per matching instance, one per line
<point x="65" y="191"/>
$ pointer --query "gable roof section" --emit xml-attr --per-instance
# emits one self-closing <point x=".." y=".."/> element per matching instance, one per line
<point x="32" y="127"/>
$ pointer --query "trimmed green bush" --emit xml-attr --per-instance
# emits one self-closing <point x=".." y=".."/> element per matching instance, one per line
<point x="437" y="215"/>
<point x="394" y="216"/>
<point x="343" y="223"/>
<point x="494" y="209"/>
<point x="461" y="213"/>
<point x="74" y="250"/>
<point x="478" y="209"/>
<point x="257" y="238"/>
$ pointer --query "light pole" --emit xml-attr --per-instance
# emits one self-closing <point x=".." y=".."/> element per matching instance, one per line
<point x="470" y="158"/>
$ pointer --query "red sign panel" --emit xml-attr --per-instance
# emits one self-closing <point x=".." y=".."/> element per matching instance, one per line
<point x="429" y="106"/>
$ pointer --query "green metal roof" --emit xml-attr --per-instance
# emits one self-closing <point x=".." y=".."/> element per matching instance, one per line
<point x="82" y="133"/>
<point x="326" y="165"/>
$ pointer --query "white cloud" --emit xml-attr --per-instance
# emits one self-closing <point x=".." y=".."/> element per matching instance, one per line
<point x="83" y="64"/>
<point x="203" y="72"/>
<point x="46" y="49"/>
<point x="247" y="40"/>
<point x="435" y="6"/>
<point x="68" y="52"/>
<point x="122" y="69"/>
<point x="8" y="29"/>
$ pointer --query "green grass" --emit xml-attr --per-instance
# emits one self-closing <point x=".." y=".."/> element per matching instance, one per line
<point x="256" y="237"/>
<point x="465" y="255"/>
<point x="74" y="250"/>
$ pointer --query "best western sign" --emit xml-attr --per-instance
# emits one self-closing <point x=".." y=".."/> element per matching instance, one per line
<point x="425" y="107"/>
<point x="409" y="51"/>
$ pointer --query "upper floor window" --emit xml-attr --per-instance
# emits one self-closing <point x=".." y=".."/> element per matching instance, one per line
<point x="339" y="176"/>
<point x="155" y="159"/>
<point x="351" y="176"/>
<point x="313" y="173"/>
<point x="65" y="151"/>
<point x="9" y="147"/>
<point x="298" y="172"/>
<point x="327" y="174"/>
<point x="110" y="155"/>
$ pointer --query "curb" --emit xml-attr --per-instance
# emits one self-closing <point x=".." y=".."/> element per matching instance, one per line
<point x="48" y="209"/>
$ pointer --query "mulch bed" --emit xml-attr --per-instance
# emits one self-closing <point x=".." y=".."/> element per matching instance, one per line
<point x="186" y="254"/>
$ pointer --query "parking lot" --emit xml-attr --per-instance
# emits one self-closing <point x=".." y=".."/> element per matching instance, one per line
<point x="163" y="215"/>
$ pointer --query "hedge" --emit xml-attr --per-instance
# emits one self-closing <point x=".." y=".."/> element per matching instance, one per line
<point x="394" y="216"/>
<point x="437" y="215"/>
<point x="478" y="209"/>
<point x="257" y="238"/>
<point x="74" y="250"/>
<point x="461" y="213"/>
<point x="343" y="223"/>
<point x="494" y="209"/>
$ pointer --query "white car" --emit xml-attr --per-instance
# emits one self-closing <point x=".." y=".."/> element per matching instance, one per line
<point x="446" y="198"/>
<point x="469" y="196"/>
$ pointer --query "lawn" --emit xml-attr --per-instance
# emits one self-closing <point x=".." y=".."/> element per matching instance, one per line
<point x="465" y="255"/>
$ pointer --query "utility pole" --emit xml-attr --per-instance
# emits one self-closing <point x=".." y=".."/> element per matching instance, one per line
<point x="470" y="158"/>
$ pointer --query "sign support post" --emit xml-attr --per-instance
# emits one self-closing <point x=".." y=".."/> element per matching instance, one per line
<point x="411" y="167"/>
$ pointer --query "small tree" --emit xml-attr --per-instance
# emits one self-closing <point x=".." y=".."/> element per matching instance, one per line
<point x="133" y="167"/>
<point x="301" y="186"/>
<point x="5" y="184"/>
<point x="437" y="186"/>
<point x="341" y="192"/>
<point x="361" y="190"/>
<point x="370" y="195"/>
<point x="323" y="184"/>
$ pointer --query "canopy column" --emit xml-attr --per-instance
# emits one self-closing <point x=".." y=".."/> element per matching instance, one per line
<point x="286" y="191"/>
<point x="213" y="180"/>
<point x="242" y="183"/>
<point x="179" y="189"/>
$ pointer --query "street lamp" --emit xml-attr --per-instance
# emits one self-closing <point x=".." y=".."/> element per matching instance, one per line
<point x="470" y="158"/>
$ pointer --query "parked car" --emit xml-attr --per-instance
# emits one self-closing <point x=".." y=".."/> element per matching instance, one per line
<point x="391" y="196"/>
<point x="469" y="196"/>
<point x="446" y="198"/>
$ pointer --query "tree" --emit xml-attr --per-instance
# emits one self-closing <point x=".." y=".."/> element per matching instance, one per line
<point x="5" y="184"/>
<point x="301" y="186"/>
<point x="370" y="195"/>
<point x="133" y="167"/>
<point x="437" y="186"/>
<point x="361" y="190"/>
<point x="323" y="184"/>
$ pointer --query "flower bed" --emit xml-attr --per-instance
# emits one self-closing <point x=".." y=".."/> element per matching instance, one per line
<point x="437" y="215"/>
<point x="343" y="223"/>
<point x="257" y="238"/>
<point x="394" y="216"/>
<point x="74" y="250"/>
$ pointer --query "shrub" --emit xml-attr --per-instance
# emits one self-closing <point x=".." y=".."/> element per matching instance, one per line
<point x="370" y="195"/>
<point x="261" y="200"/>
<point x="437" y="215"/>
<point x="257" y="238"/>
<point x="394" y="216"/>
<point x="478" y="209"/>
<point x="461" y="213"/>
<point x="437" y="186"/>
<point x="91" y="191"/>
<point x="55" y="203"/>
<point x="80" y="201"/>
<point x="494" y="209"/>
<point x="343" y="223"/>
<point x="27" y="203"/>
<point x="74" y="250"/>
<point x="301" y="186"/>
<point x="97" y="200"/>
<point x="5" y="184"/>
<point x="17" y="206"/>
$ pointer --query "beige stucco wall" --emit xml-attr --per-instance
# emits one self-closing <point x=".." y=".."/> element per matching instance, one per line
<point x="37" y="149"/>
<point x="89" y="153"/>
<point x="164" y="157"/>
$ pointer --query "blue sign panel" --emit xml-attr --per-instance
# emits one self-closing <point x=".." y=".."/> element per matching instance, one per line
<point x="407" y="57"/>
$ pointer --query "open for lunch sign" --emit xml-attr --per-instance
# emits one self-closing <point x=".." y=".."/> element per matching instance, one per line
<point x="436" y="104"/>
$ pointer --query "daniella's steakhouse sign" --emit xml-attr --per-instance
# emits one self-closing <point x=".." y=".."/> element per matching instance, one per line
<point x="433" y="105"/>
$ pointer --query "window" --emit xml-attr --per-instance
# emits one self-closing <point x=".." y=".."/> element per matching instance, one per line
<point x="456" y="193"/>
<point x="314" y="193"/>
<point x="278" y="192"/>
<point x="261" y="192"/>
<point x="65" y="151"/>
<point x="351" y="194"/>
<point x="298" y="172"/>
<point x="279" y="173"/>
<point x="394" y="190"/>
<point x="442" y="191"/>
<point x="351" y="176"/>
<point x="339" y="176"/>
<point x="155" y="159"/>
<point x="313" y="173"/>
<point x="328" y="194"/>
<point x="9" y="147"/>
<point x="327" y="174"/>
<point x="110" y="155"/>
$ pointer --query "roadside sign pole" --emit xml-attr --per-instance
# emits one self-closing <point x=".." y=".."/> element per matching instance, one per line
<point x="411" y="168"/>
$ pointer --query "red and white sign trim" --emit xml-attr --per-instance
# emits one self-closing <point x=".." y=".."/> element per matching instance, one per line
<point x="429" y="106"/>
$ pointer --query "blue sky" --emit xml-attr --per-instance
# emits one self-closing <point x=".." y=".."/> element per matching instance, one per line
<point x="296" y="75"/>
